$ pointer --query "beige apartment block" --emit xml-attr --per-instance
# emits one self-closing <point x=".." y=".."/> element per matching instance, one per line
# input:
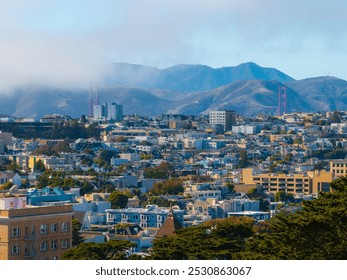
<point x="303" y="183"/>
<point x="35" y="233"/>
<point x="338" y="167"/>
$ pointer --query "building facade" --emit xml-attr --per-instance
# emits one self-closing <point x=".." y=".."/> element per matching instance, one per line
<point x="150" y="217"/>
<point x="338" y="167"/>
<point x="303" y="183"/>
<point x="35" y="233"/>
<point x="225" y="118"/>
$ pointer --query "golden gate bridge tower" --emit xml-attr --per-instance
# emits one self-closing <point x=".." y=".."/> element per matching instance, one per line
<point x="282" y="101"/>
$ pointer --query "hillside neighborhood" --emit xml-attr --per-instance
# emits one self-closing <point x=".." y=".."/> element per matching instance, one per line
<point x="130" y="178"/>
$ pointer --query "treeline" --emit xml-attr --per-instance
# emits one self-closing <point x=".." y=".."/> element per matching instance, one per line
<point x="68" y="130"/>
<point x="318" y="231"/>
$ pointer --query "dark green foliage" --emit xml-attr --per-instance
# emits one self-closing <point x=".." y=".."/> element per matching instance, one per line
<point x="161" y="202"/>
<point x="171" y="186"/>
<point x="74" y="130"/>
<point x="164" y="171"/>
<point x="39" y="165"/>
<point x="217" y="239"/>
<point x="56" y="179"/>
<point x="111" y="250"/>
<point x="61" y="147"/>
<point x="118" y="199"/>
<point x="318" y="231"/>
<point x="244" y="161"/>
<point x="283" y="196"/>
<point x="330" y="154"/>
<point x="76" y="235"/>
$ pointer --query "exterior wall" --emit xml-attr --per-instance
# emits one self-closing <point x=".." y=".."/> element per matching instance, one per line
<point x="13" y="202"/>
<point x="7" y="137"/>
<point x="151" y="217"/>
<point x="22" y="238"/>
<point x="338" y="167"/>
<point x="225" y="118"/>
<point x="203" y="195"/>
<point x="296" y="183"/>
<point x="321" y="181"/>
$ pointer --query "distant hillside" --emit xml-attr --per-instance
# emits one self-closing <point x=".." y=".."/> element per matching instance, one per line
<point x="186" y="89"/>
<point x="323" y="93"/>
<point x="245" y="97"/>
<point x="39" y="101"/>
<point x="188" y="78"/>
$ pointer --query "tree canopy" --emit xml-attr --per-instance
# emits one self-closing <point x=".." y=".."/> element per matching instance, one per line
<point x="111" y="250"/>
<point x="76" y="235"/>
<point x="118" y="199"/>
<point x="171" y="186"/>
<point x="163" y="171"/>
<point x="217" y="239"/>
<point x="318" y="231"/>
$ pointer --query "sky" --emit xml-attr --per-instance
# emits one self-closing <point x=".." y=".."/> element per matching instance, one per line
<point x="67" y="43"/>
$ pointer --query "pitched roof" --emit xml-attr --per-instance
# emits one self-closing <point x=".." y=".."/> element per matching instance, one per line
<point x="169" y="227"/>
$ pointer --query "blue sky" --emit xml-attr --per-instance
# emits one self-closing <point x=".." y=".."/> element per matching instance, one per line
<point x="66" y="42"/>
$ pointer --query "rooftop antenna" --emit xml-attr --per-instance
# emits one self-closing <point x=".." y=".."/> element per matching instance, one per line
<point x="90" y="109"/>
<point x="96" y="101"/>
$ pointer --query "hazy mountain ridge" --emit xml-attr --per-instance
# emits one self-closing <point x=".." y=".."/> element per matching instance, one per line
<point x="189" y="78"/>
<point x="245" y="96"/>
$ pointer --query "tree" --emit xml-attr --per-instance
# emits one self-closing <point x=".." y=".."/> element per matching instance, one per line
<point x="243" y="162"/>
<point x="14" y="167"/>
<point x="39" y="165"/>
<point x="318" y="231"/>
<point x="111" y="250"/>
<point x="164" y="170"/>
<point x="171" y="186"/>
<point x="76" y="234"/>
<point x="217" y="239"/>
<point x="231" y="187"/>
<point x="118" y="199"/>
<point x="283" y="196"/>
<point x="161" y="202"/>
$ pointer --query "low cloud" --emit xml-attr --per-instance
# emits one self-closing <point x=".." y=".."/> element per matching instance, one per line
<point x="66" y="43"/>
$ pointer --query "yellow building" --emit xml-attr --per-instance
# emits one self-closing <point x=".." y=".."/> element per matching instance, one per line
<point x="35" y="233"/>
<point x="305" y="183"/>
<point x="33" y="159"/>
<point x="338" y="167"/>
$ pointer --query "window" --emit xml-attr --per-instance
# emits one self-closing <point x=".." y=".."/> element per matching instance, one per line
<point x="43" y="246"/>
<point x="65" y="243"/>
<point x="15" y="249"/>
<point x="15" y="232"/>
<point x="54" y="228"/>
<point x="44" y="229"/>
<point x="64" y="227"/>
<point x="33" y="229"/>
<point x="54" y="245"/>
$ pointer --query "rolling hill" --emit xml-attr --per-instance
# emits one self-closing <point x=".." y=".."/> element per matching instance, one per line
<point x="248" y="89"/>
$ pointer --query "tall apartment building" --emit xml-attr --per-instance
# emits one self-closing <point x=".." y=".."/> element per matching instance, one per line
<point x="303" y="183"/>
<point x="225" y="118"/>
<point x="108" y="111"/>
<point x="33" y="233"/>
